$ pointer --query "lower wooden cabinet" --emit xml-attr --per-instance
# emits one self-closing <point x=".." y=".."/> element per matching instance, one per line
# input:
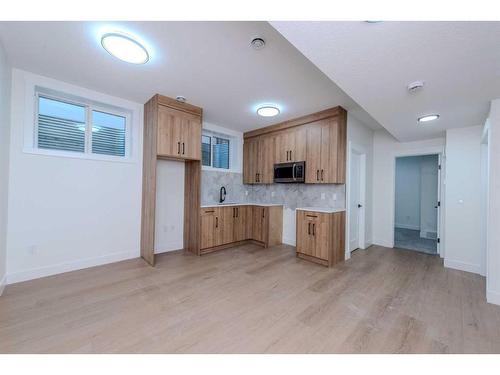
<point x="321" y="236"/>
<point x="226" y="225"/>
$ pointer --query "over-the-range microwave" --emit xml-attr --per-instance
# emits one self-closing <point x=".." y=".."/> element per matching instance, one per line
<point x="290" y="172"/>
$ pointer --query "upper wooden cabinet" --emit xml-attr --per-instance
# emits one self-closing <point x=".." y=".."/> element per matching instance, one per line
<point x="258" y="160"/>
<point x="179" y="133"/>
<point x="290" y="145"/>
<point x="318" y="139"/>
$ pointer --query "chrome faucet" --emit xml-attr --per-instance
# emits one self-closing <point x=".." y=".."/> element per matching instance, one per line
<point x="222" y="196"/>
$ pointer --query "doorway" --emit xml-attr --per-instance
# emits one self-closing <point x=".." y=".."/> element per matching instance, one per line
<point x="417" y="204"/>
<point x="356" y="194"/>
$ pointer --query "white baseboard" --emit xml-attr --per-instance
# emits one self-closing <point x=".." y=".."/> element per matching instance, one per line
<point x="3" y="283"/>
<point x="493" y="297"/>
<point x="368" y="243"/>
<point x="169" y="246"/>
<point x="384" y="243"/>
<point x="407" y="226"/>
<point x="289" y="241"/>
<point x="462" y="266"/>
<point x="55" y="269"/>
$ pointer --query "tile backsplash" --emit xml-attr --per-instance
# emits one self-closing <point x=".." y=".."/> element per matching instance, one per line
<point x="290" y="195"/>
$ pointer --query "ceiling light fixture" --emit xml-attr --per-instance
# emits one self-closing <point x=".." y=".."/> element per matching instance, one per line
<point x="428" y="118"/>
<point x="125" y="48"/>
<point x="415" y="86"/>
<point x="268" y="111"/>
<point x="258" y="43"/>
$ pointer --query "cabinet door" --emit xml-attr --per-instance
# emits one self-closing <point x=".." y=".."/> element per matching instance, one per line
<point x="321" y="235"/>
<point x="313" y="153"/>
<point x="191" y="137"/>
<point x="240" y="229"/>
<point x="207" y="228"/>
<point x="219" y="227"/>
<point x="328" y="144"/>
<point x="257" y="223"/>
<point x="281" y="150"/>
<point x="298" y="145"/>
<point x="250" y="161"/>
<point x="226" y="224"/>
<point x="303" y="234"/>
<point x="265" y="164"/>
<point x="169" y="132"/>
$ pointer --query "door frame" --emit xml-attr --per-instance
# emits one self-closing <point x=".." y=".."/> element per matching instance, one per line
<point x="354" y="148"/>
<point x="439" y="151"/>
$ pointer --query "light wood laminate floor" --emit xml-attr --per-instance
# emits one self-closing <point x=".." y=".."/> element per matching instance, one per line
<point x="254" y="300"/>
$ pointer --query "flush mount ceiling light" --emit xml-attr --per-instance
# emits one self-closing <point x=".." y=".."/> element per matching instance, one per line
<point x="428" y="118"/>
<point x="268" y="111"/>
<point x="258" y="43"/>
<point x="125" y="48"/>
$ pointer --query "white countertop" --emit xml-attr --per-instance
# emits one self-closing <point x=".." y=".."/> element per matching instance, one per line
<point x="321" y="209"/>
<point x="240" y="204"/>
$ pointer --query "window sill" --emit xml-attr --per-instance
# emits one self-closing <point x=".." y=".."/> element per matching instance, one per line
<point x="71" y="155"/>
<point x="212" y="169"/>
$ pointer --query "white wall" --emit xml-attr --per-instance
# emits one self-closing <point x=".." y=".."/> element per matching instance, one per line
<point x="5" y="85"/>
<point x="463" y="199"/>
<point x="407" y="192"/>
<point x="360" y="136"/>
<point x="69" y="213"/>
<point x="493" y="239"/>
<point x="169" y="224"/>
<point x="385" y="150"/>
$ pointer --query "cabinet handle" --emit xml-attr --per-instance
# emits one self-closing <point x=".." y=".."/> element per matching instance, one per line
<point x="209" y="211"/>
<point x="312" y="215"/>
<point x="237" y="212"/>
<point x="234" y="212"/>
<point x="263" y="213"/>
<point x="178" y="147"/>
<point x="314" y="229"/>
<point x="216" y="222"/>
<point x="322" y="175"/>
<point x="290" y="155"/>
<point x="317" y="174"/>
<point x="183" y="148"/>
<point x="309" y="228"/>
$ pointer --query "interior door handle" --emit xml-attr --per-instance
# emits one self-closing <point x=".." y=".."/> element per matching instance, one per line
<point x="359" y="206"/>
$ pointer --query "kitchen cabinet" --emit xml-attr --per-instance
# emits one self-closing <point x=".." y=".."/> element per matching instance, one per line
<point x="321" y="236"/>
<point x="318" y="139"/>
<point x="290" y="145"/>
<point x="258" y="159"/>
<point x="179" y="134"/>
<point x="224" y="226"/>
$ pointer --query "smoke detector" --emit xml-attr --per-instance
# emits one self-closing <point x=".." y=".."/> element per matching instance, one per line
<point x="258" y="43"/>
<point x="180" y="99"/>
<point x="415" y="86"/>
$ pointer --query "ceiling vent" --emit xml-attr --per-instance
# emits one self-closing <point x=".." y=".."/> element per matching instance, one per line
<point x="415" y="86"/>
<point x="180" y="99"/>
<point x="258" y="43"/>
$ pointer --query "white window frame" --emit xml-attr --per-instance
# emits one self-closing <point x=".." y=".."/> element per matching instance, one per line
<point x="90" y="106"/>
<point x="232" y="151"/>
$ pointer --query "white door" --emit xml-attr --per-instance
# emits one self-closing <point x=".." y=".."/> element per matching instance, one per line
<point x="354" y="201"/>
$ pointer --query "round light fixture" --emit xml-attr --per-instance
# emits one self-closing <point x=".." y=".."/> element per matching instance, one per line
<point x="268" y="111"/>
<point x="125" y="48"/>
<point x="258" y="43"/>
<point x="428" y="118"/>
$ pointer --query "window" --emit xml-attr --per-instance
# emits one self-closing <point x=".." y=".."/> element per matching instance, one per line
<point x="215" y="151"/>
<point x="70" y="126"/>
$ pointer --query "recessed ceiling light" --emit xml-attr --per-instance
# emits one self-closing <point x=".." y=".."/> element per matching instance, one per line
<point x="268" y="111"/>
<point x="125" y="48"/>
<point x="428" y="118"/>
